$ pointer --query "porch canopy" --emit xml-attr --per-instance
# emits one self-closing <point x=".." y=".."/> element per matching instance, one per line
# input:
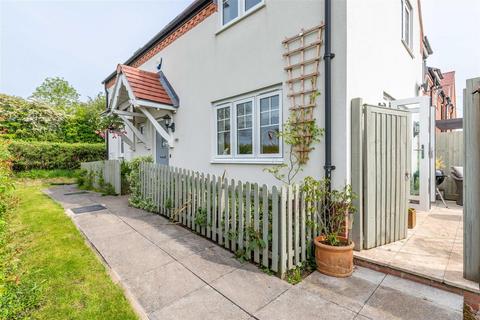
<point x="138" y="93"/>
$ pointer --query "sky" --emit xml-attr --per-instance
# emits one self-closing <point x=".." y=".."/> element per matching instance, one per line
<point x="82" y="41"/>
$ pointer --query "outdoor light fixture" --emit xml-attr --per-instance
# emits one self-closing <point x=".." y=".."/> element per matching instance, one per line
<point x="168" y="122"/>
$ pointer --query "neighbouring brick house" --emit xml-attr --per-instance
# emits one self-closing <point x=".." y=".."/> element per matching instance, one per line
<point x="440" y="87"/>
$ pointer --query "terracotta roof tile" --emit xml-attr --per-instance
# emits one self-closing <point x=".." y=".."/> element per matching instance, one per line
<point x="145" y="85"/>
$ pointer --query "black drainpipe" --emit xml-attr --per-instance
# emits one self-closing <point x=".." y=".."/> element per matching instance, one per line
<point x="328" y="93"/>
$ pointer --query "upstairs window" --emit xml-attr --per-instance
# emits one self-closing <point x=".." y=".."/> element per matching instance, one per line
<point x="234" y="9"/>
<point x="229" y="10"/>
<point x="407" y="24"/>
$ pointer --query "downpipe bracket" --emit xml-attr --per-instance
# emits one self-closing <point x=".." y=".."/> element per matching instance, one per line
<point x="329" y="56"/>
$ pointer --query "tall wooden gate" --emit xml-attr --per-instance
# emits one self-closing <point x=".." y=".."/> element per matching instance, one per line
<point x="381" y="162"/>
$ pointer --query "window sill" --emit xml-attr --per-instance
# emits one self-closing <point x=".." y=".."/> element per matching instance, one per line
<point x="248" y="161"/>
<point x="238" y="19"/>
<point x="408" y="49"/>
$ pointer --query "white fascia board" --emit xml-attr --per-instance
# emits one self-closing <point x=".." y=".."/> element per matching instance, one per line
<point x="156" y="105"/>
<point x="157" y="126"/>
<point x="116" y="92"/>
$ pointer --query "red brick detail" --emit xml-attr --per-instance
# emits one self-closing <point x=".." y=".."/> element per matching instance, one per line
<point x="180" y="31"/>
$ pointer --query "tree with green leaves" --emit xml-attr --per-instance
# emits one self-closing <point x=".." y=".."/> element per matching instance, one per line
<point x="56" y="92"/>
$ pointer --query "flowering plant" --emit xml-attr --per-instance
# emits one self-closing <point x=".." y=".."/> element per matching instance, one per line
<point x="112" y="124"/>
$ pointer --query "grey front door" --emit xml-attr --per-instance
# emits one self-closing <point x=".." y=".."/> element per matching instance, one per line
<point x="161" y="149"/>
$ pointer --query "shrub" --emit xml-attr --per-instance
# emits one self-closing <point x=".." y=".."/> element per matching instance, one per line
<point x="134" y="182"/>
<point x="125" y="171"/>
<point x="47" y="155"/>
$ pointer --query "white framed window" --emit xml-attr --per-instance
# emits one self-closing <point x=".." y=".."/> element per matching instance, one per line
<point x="247" y="128"/>
<point x="407" y="24"/>
<point x="244" y="127"/>
<point x="233" y="10"/>
<point x="269" y="124"/>
<point x="223" y="130"/>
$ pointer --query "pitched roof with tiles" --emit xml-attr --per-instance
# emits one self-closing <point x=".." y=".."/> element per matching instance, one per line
<point x="145" y="85"/>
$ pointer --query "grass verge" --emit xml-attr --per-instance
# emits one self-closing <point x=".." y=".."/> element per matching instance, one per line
<point x="46" y="269"/>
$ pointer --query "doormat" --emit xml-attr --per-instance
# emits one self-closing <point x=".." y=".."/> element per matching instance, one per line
<point x="91" y="208"/>
<point x="74" y="193"/>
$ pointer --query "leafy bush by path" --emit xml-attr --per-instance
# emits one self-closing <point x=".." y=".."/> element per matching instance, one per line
<point x="46" y="174"/>
<point x="47" y="155"/>
<point x="134" y="183"/>
<point x="46" y="120"/>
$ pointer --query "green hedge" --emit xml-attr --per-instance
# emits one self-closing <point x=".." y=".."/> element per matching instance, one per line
<point x="50" y="155"/>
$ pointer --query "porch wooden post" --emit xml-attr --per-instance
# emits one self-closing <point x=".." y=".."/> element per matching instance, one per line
<point x="471" y="181"/>
<point x="357" y="170"/>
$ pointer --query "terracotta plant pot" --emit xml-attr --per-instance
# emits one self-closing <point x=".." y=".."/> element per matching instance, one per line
<point x="412" y="218"/>
<point x="334" y="261"/>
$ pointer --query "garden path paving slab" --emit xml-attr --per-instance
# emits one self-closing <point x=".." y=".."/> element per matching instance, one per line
<point x="146" y="221"/>
<point x="250" y="288"/>
<point x="163" y="233"/>
<point x="351" y="293"/>
<point x="297" y="303"/>
<point x="211" y="263"/>
<point x="184" y="246"/>
<point x="204" y="303"/>
<point x="131" y="254"/>
<point x="164" y="285"/>
<point x="387" y="303"/>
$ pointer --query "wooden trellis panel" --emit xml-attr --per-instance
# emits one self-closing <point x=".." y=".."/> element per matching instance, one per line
<point x="303" y="55"/>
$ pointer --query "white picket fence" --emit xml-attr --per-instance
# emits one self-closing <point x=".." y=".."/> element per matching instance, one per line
<point x="269" y="226"/>
<point x="110" y="170"/>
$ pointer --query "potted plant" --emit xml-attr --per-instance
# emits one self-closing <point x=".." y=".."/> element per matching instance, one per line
<point x="333" y="248"/>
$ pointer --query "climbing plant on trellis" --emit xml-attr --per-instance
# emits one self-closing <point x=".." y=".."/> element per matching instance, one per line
<point x="303" y="55"/>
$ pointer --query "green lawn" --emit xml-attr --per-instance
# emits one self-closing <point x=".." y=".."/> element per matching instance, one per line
<point x="46" y="269"/>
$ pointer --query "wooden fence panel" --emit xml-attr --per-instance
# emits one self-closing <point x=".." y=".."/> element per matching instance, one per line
<point x="268" y="225"/>
<point x="108" y="169"/>
<point x="381" y="152"/>
<point x="449" y="148"/>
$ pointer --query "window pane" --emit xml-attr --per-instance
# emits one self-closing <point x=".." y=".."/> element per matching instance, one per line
<point x="230" y="10"/>
<point x="244" y="128"/>
<point x="223" y="147"/>
<point x="248" y="121"/>
<point x="274" y="117"/>
<point x="223" y="131"/>
<point x="244" y="141"/>
<point x="264" y="104"/>
<point x="274" y="102"/>
<point x="220" y="125"/>
<point x="264" y="118"/>
<point x="269" y="140"/>
<point x="251" y="3"/>
<point x="241" y="122"/>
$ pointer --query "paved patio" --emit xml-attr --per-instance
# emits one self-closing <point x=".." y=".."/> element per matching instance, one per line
<point x="433" y="249"/>
<point x="169" y="272"/>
